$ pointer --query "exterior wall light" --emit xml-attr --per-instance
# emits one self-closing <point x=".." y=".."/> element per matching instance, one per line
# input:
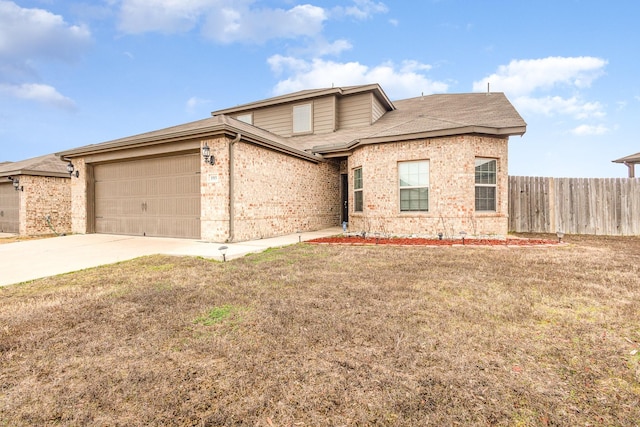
<point x="223" y="251"/>
<point x="71" y="169"/>
<point x="16" y="183"/>
<point x="206" y="154"/>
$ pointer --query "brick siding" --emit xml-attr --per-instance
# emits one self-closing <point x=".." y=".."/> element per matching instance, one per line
<point x="451" y="187"/>
<point x="79" y="198"/>
<point x="275" y="194"/>
<point x="45" y="198"/>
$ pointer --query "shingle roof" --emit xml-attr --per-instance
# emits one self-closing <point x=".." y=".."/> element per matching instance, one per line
<point x="421" y="117"/>
<point x="47" y="165"/>
<point x="201" y="128"/>
<point x="436" y="115"/>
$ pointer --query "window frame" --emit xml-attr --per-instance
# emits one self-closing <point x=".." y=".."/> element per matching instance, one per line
<point x="480" y="202"/>
<point x="308" y="129"/>
<point x="358" y="190"/>
<point x="414" y="187"/>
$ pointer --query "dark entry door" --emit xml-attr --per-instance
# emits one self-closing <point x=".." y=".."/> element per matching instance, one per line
<point x="345" y="197"/>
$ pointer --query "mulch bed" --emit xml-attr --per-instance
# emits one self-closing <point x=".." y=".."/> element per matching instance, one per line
<point x="417" y="241"/>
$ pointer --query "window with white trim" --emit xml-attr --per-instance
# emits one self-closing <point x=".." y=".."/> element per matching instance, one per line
<point x="246" y="118"/>
<point x="414" y="186"/>
<point x="486" y="173"/>
<point x="302" y="118"/>
<point x="357" y="190"/>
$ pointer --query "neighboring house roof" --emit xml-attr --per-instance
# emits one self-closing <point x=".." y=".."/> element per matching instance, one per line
<point x="632" y="159"/>
<point x="209" y="127"/>
<point x="305" y="95"/>
<point x="427" y="117"/>
<point x="48" y="165"/>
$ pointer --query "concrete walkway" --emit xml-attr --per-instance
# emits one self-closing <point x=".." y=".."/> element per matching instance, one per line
<point x="33" y="259"/>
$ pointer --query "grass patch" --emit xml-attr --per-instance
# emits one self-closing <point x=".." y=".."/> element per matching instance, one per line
<point x="335" y="335"/>
<point x="215" y="315"/>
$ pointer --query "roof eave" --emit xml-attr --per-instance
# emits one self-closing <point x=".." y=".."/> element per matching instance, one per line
<point x="141" y="141"/>
<point x="30" y="172"/>
<point x="210" y="131"/>
<point x="632" y="159"/>
<point x="466" y="130"/>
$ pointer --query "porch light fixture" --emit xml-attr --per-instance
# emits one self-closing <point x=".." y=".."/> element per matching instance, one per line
<point x="560" y="235"/>
<point x="71" y="169"/>
<point x="16" y="183"/>
<point x="206" y="154"/>
<point x="223" y="251"/>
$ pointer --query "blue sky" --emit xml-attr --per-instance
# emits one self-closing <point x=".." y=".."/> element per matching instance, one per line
<point x="74" y="73"/>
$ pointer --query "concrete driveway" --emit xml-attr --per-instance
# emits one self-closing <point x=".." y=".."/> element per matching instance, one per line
<point x="33" y="259"/>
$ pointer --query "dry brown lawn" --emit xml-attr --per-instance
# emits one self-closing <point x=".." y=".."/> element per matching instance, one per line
<point x="316" y="335"/>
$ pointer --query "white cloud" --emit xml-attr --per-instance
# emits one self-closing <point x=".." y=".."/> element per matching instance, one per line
<point x="194" y="102"/>
<point x="550" y="105"/>
<point x="44" y="94"/>
<point x="585" y="130"/>
<point x="27" y="34"/>
<point x="323" y="48"/>
<point x="523" y="77"/>
<point x="165" y="16"/>
<point x="362" y="9"/>
<point x="224" y="21"/>
<point x="406" y="80"/>
<point x="549" y="86"/>
<point x="237" y="24"/>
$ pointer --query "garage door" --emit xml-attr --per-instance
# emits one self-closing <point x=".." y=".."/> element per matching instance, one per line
<point x="151" y="197"/>
<point x="9" y="205"/>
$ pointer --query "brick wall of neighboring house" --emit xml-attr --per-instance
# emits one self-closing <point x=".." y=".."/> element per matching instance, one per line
<point x="451" y="187"/>
<point x="45" y="205"/>
<point x="275" y="194"/>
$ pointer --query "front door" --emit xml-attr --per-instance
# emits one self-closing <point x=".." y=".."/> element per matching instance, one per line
<point x="345" y="197"/>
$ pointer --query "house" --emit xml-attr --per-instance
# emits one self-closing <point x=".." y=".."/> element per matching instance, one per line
<point x="630" y="162"/>
<point x="35" y="196"/>
<point x="305" y="161"/>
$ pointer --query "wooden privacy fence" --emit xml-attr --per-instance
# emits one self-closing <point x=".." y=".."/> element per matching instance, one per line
<point x="605" y="206"/>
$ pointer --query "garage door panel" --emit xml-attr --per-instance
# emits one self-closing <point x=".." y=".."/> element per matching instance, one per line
<point x="9" y="208"/>
<point x="152" y="197"/>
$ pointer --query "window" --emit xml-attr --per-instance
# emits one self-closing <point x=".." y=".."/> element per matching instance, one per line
<point x="414" y="186"/>
<point x="302" y="118"/>
<point x="357" y="190"/>
<point x="246" y="118"/>
<point x="486" y="184"/>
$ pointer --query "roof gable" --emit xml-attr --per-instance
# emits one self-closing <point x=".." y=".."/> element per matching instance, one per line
<point x="309" y="94"/>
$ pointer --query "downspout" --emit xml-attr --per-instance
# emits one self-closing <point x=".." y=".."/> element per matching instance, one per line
<point x="232" y="210"/>
<point x="631" y="167"/>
